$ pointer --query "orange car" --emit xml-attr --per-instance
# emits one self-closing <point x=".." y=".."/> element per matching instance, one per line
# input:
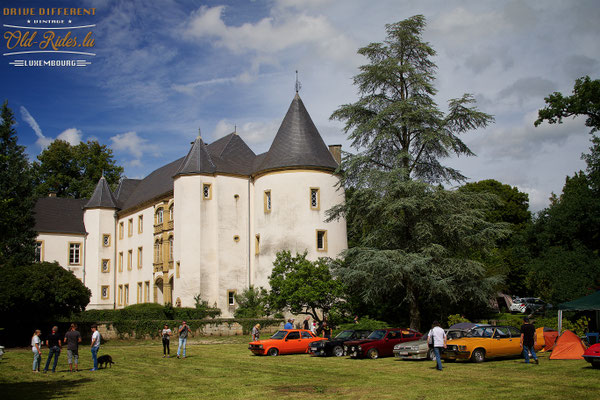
<point x="486" y="342"/>
<point x="285" y="341"/>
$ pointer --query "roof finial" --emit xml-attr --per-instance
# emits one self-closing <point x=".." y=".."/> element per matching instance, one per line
<point x="298" y="84"/>
<point x="199" y="133"/>
<point x="235" y="129"/>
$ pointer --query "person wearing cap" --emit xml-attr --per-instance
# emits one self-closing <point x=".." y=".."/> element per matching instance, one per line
<point x="528" y="340"/>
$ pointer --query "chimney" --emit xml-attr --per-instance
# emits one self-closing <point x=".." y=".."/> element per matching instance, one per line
<point x="336" y="152"/>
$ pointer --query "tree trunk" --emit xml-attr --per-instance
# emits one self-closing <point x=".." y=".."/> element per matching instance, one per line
<point x="415" y="313"/>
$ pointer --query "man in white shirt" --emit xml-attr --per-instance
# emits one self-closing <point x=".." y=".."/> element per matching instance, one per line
<point x="95" y="346"/>
<point x="437" y="337"/>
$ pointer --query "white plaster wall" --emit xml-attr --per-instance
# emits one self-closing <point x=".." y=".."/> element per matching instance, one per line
<point x="232" y="256"/>
<point x="187" y="194"/>
<point x="56" y="248"/>
<point x="99" y="222"/>
<point x="292" y="224"/>
<point x="145" y="240"/>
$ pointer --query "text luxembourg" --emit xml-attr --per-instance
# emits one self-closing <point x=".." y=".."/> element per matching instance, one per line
<point x="49" y="11"/>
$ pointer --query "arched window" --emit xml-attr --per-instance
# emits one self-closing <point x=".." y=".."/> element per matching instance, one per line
<point x="157" y="252"/>
<point x="159" y="216"/>
<point x="171" y="213"/>
<point x="170" y="248"/>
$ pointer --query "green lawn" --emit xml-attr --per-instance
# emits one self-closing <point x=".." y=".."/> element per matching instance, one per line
<point x="224" y="368"/>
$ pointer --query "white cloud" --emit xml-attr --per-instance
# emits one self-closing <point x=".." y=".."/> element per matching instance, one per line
<point x="271" y="34"/>
<point x="130" y="142"/>
<point x="42" y="140"/>
<point x="72" y="135"/>
<point x="257" y="134"/>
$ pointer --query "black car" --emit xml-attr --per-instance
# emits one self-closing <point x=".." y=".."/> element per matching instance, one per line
<point x="335" y="346"/>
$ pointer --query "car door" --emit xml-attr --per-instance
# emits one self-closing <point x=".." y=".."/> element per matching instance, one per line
<point x="515" y="341"/>
<point x="502" y="343"/>
<point x="293" y="343"/>
<point x="392" y="338"/>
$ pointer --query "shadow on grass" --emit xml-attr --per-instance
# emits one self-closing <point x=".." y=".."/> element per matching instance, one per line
<point x="41" y="390"/>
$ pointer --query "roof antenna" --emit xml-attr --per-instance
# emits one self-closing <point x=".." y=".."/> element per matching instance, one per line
<point x="298" y="84"/>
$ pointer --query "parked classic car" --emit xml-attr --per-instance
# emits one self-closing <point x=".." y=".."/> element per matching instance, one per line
<point x="529" y="305"/>
<point x="486" y="342"/>
<point x="592" y="355"/>
<point x="419" y="349"/>
<point x="335" y="346"/>
<point x="285" y="341"/>
<point x="380" y="343"/>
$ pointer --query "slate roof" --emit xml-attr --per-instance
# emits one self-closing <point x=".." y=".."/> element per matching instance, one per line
<point x="158" y="183"/>
<point x="125" y="189"/>
<point x="102" y="196"/>
<point x="197" y="161"/>
<point x="232" y="155"/>
<point x="297" y="143"/>
<point x="59" y="215"/>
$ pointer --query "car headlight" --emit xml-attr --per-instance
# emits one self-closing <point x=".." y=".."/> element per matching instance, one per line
<point x="260" y="346"/>
<point x="359" y="348"/>
<point x="462" y="348"/>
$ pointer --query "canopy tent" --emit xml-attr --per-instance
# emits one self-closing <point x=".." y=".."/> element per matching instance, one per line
<point x="587" y="303"/>
<point x="568" y="347"/>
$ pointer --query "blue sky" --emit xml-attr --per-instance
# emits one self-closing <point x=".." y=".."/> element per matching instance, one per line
<point x="163" y="69"/>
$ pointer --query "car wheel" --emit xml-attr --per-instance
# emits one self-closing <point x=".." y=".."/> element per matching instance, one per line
<point x="373" y="354"/>
<point x="431" y="354"/>
<point x="338" y="351"/>
<point x="478" y="356"/>
<point x="273" y="352"/>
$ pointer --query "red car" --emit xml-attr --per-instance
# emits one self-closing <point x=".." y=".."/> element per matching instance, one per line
<point x="592" y="355"/>
<point x="380" y="343"/>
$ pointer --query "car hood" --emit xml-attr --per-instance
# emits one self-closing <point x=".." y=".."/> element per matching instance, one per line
<point x="412" y="343"/>
<point x="356" y="342"/>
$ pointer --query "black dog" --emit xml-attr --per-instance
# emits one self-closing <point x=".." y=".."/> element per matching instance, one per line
<point x="105" y="359"/>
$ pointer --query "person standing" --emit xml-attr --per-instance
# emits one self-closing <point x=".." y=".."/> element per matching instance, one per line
<point x="95" y="346"/>
<point x="313" y="328"/>
<point x="256" y="333"/>
<point x="528" y="340"/>
<point x="437" y="337"/>
<point x="36" y="348"/>
<point x="306" y="323"/>
<point x="289" y="324"/>
<point x="326" y="330"/>
<point x="54" y="345"/>
<point x="183" y="334"/>
<point x="72" y="339"/>
<point x="166" y="341"/>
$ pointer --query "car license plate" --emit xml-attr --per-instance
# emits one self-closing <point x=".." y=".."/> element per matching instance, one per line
<point x="403" y="353"/>
<point x="313" y="349"/>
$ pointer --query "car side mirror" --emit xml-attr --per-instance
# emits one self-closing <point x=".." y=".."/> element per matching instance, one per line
<point x="386" y="339"/>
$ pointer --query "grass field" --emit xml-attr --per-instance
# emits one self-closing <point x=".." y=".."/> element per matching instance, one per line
<point x="223" y="368"/>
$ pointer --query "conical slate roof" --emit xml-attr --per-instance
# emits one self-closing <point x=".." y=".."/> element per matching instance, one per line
<point x="297" y="143"/>
<point x="198" y="161"/>
<point x="102" y="197"/>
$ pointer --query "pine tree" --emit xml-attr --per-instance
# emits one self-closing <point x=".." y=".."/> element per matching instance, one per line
<point x="17" y="240"/>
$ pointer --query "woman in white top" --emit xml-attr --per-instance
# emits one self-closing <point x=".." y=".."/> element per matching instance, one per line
<point x="36" y="344"/>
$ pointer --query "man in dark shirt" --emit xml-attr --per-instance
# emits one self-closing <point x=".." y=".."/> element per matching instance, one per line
<point x="72" y="339"/>
<point x="54" y="345"/>
<point x="528" y="340"/>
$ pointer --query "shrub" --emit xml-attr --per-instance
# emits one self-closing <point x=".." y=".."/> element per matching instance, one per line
<point x="456" y="319"/>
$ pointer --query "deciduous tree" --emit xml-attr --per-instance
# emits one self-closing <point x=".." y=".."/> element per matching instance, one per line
<point x="74" y="171"/>
<point x="303" y="286"/>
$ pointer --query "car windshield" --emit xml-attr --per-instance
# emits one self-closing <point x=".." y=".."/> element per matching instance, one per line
<point x="378" y="334"/>
<point x="279" y="335"/>
<point x="344" y="335"/>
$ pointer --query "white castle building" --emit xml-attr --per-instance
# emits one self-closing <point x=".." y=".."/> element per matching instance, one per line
<point x="209" y="223"/>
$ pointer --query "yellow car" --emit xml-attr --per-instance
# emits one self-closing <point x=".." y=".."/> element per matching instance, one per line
<point x="486" y="342"/>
